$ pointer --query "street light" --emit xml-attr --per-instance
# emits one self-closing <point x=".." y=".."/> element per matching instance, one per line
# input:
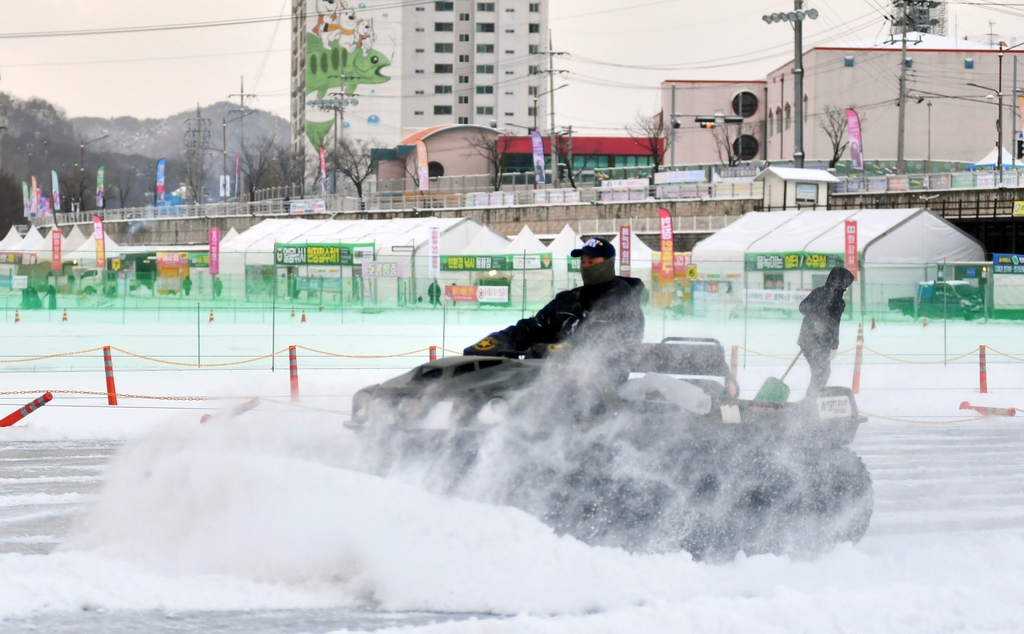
<point x="797" y="18"/>
<point x="81" y="181"/>
<point x="536" y="98"/>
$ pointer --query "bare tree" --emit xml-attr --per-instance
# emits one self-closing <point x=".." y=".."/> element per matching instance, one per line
<point x="257" y="158"/>
<point x="289" y="167"/>
<point x="124" y="185"/>
<point x="197" y="171"/>
<point x="563" y="143"/>
<point x="833" y="124"/>
<point x="355" y="161"/>
<point x="650" y="132"/>
<point x="494" y="149"/>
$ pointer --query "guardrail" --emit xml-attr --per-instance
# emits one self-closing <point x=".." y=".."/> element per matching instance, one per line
<point x="893" y="183"/>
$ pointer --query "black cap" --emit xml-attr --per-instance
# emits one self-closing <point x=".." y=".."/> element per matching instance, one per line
<point x="596" y="248"/>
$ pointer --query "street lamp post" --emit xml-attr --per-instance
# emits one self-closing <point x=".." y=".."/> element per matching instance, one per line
<point x="796" y="18"/>
<point x="81" y="167"/>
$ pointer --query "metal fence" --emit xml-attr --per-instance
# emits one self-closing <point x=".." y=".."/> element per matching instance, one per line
<point x="929" y="182"/>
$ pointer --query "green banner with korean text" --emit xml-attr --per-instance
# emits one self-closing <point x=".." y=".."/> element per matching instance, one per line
<point x="793" y="261"/>
<point x="340" y="254"/>
<point x="503" y="262"/>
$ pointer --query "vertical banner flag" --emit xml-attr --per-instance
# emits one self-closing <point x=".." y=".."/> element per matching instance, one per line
<point x="323" y="172"/>
<point x="34" y="209"/>
<point x="236" y="175"/>
<point x="55" y="243"/>
<point x="854" y="137"/>
<point x="225" y="186"/>
<point x="851" y="247"/>
<point x="434" y="267"/>
<point x="668" y="247"/>
<point x="55" y="184"/>
<point x="25" y="198"/>
<point x="161" y="168"/>
<point x="214" y="251"/>
<point x="101" y="242"/>
<point x="625" y="246"/>
<point x="422" y="166"/>
<point x="538" y="158"/>
<point x="100" y="173"/>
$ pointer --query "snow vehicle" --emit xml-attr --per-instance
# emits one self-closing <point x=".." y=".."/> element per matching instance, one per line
<point x="670" y="460"/>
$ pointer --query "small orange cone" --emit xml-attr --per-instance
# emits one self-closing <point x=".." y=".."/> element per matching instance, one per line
<point x="872" y="323"/>
<point x="925" y="322"/>
<point x="303" y="317"/>
<point x="293" y="311"/>
<point x="211" y="316"/>
<point x="65" y="317"/>
<point x="17" y="317"/>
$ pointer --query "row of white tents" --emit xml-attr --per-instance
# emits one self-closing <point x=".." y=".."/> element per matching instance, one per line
<point x="76" y="246"/>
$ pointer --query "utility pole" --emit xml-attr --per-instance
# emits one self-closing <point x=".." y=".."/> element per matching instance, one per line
<point x="197" y="141"/>
<point x="1014" y="114"/>
<point x="673" y="127"/>
<point x="242" y="96"/>
<point x="999" y="121"/>
<point x="3" y="130"/>
<point x="551" y="98"/>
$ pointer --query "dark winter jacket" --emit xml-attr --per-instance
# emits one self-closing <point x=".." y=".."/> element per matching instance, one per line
<point x="606" y="315"/>
<point x="822" y="310"/>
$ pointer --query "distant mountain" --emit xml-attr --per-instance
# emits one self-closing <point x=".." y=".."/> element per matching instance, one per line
<point x="163" y="138"/>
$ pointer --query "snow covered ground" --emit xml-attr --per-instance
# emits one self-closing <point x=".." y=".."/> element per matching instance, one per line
<point x="138" y="518"/>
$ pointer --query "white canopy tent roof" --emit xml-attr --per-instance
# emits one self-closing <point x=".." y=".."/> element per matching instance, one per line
<point x="526" y="241"/>
<point x="487" y="241"/>
<point x="31" y="242"/>
<point x="564" y="243"/>
<point x="85" y="254"/>
<point x="640" y="255"/>
<point x="11" y="239"/>
<point x="885" y="236"/>
<point x="231" y="234"/>
<point x="990" y="159"/>
<point x="75" y="238"/>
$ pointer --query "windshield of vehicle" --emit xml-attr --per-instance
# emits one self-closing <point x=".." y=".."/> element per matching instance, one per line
<point x="965" y="291"/>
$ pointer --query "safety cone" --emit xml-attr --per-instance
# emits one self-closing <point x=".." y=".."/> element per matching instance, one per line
<point x="293" y="311"/>
<point x="303" y="317"/>
<point x="211" y="316"/>
<point x="925" y="322"/>
<point x="65" y="317"/>
<point x="17" y="317"/>
<point x="872" y="323"/>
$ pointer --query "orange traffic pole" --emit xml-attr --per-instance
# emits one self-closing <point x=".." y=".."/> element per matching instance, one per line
<point x="983" y="370"/>
<point x="858" y="359"/>
<point x="17" y="415"/>
<point x="293" y="371"/>
<point x="108" y="369"/>
<point x="433" y="353"/>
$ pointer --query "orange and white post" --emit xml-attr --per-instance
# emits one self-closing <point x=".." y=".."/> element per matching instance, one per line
<point x="17" y="415"/>
<point x="293" y="372"/>
<point x="858" y="359"/>
<point x="982" y="370"/>
<point x="108" y="369"/>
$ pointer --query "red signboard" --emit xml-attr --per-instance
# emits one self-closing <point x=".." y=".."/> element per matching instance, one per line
<point x="667" y="273"/>
<point x="214" y="251"/>
<point x="97" y="234"/>
<point x="460" y="293"/>
<point x="625" y="244"/>
<point x="850" y="243"/>
<point x="55" y="243"/>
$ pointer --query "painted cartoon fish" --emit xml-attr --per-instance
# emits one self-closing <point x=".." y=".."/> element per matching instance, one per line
<point x="325" y="67"/>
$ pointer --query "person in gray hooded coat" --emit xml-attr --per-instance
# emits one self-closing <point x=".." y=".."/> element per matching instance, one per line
<point x="819" y="333"/>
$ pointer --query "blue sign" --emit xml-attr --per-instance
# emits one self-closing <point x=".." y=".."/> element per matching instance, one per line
<point x="1006" y="263"/>
<point x="971" y="272"/>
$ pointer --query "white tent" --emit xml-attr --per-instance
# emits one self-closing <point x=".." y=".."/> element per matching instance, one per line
<point x="526" y="241"/>
<point x="230" y="235"/>
<point x="31" y="242"/>
<point x="990" y="160"/>
<point x="75" y="238"/>
<point x="11" y="239"/>
<point x="896" y="246"/>
<point x="640" y="255"/>
<point x="487" y="241"/>
<point x="560" y="248"/>
<point x="85" y="254"/>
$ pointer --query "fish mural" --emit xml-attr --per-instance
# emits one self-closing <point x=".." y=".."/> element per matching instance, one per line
<point x="339" y="59"/>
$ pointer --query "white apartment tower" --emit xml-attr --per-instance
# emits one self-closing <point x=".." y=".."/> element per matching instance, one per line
<point x="413" y="65"/>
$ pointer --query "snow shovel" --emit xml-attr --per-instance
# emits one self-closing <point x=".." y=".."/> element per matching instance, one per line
<point x="775" y="390"/>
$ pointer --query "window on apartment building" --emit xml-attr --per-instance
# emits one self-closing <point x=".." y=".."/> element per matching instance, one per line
<point x="534" y="49"/>
<point x="419" y="29"/>
<point x="464" y="17"/>
<point x="463" y="79"/>
<point x="442" y="90"/>
<point x="485" y="69"/>
<point x="510" y="10"/>
<point x="485" y="6"/>
<point x="442" y="6"/>
<point x="463" y="37"/>
<point x="418" y="112"/>
<point x="848" y="61"/>
<point x="509" y="52"/>
<point x="509" y="93"/>
<point x="535" y="70"/>
<point x="419" y="71"/>
<point x="531" y="112"/>
<point x="789" y="116"/>
<point x="510" y="114"/>
<point x="443" y="69"/>
<point x="444" y="26"/>
<point x="485" y="48"/>
<point x="442" y="109"/>
<point x="463" y="58"/>
<point x="463" y="120"/>
<point x="419" y="92"/>
<point x="485" y="90"/>
<point x="421" y="9"/>
<point x="510" y="30"/>
<point x="485" y="27"/>
<point x="534" y="7"/>
<point x="969" y="63"/>
<point x="441" y="47"/>
<point x="532" y="90"/>
<point x="485" y="110"/>
<point x="463" y="98"/>
<point x="534" y="28"/>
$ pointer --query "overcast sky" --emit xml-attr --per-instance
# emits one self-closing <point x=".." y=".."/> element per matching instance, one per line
<point x="160" y="73"/>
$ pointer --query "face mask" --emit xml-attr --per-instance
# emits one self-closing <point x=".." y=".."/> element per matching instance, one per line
<point x="598" y="273"/>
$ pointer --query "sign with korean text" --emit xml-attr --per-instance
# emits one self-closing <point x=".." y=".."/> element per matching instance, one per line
<point x="797" y="261"/>
<point x="171" y="258"/>
<point x="101" y="243"/>
<point x="323" y="172"/>
<point x="776" y="298"/>
<point x="850" y="245"/>
<point x="422" y="166"/>
<point x="1018" y="205"/>
<point x="214" y="251"/>
<point x="625" y="245"/>
<point x="56" y="240"/>
<point x="320" y="254"/>
<point x="382" y="269"/>
<point x="498" y="262"/>
<point x="477" y="294"/>
<point x="1007" y="263"/>
<point x="668" y="269"/>
<point x="434" y="253"/>
<point x="302" y="207"/>
<point x="680" y="262"/>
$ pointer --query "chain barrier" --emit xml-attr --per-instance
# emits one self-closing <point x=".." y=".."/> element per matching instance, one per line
<point x="1008" y="356"/>
<point x="363" y="356"/>
<point x="52" y="356"/>
<point x="918" y="421"/>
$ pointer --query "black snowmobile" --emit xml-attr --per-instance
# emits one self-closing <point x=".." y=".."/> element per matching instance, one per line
<point x="670" y="460"/>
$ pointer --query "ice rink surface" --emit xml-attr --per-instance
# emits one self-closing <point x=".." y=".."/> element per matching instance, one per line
<point x="139" y="519"/>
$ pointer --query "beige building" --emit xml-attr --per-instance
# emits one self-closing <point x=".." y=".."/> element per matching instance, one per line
<point x="946" y="119"/>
